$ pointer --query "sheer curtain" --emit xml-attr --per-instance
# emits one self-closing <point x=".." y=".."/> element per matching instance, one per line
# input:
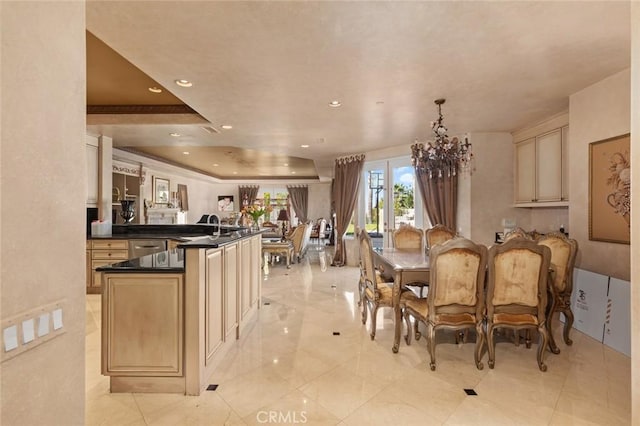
<point x="345" y="194"/>
<point x="440" y="197"/>
<point x="251" y="193"/>
<point x="299" y="196"/>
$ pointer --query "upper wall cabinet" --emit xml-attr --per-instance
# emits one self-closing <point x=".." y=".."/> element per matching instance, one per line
<point x="91" y="144"/>
<point x="541" y="170"/>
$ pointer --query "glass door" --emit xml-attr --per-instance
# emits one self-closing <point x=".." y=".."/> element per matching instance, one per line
<point x="389" y="198"/>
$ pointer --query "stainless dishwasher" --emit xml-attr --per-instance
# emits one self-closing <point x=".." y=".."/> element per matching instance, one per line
<point x="139" y="248"/>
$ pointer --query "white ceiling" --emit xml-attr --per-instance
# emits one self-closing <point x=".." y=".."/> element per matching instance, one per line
<point x="270" y="68"/>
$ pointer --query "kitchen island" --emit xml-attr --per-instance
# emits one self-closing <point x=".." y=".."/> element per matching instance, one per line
<point x="169" y="317"/>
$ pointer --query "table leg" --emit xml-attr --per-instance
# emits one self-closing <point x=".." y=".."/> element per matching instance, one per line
<point x="288" y="259"/>
<point x="398" y="329"/>
<point x="396" y="311"/>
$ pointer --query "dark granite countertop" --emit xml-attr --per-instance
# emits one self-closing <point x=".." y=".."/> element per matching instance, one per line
<point x="168" y="261"/>
<point x="175" y="232"/>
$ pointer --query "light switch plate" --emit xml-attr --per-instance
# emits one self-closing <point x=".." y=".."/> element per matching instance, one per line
<point x="43" y="324"/>
<point x="28" y="332"/>
<point x="57" y="318"/>
<point x="29" y="329"/>
<point x="10" y="338"/>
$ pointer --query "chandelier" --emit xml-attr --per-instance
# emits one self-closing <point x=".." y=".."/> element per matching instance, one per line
<point x="442" y="156"/>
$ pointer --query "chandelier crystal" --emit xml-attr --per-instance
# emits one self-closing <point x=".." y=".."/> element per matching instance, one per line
<point x="442" y="156"/>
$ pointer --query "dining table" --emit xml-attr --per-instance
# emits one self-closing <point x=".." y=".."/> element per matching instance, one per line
<point x="406" y="267"/>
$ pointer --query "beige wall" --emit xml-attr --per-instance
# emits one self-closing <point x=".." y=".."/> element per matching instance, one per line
<point x="43" y="190"/>
<point x="597" y="112"/>
<point x="204" y="190"/>
<point x="491" y="187"/>
<point x="635" y="214"/>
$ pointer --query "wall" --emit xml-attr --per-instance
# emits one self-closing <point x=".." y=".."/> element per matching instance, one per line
<point x="491" y="188"/>
<point x="43" y="187"/>
<point x="597" y="112"/>
<point x="204" y="190"/>
<point x="635" y="213"/>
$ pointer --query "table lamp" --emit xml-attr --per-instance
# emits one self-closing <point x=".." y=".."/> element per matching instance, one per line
<point x="283" y="215"/>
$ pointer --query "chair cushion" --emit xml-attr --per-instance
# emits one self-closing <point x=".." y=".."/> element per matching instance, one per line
<point x="385" y="293"/>
<point x="418" y="305"/>
<point x="453" y="319"/>
<point x="515" y="319"/>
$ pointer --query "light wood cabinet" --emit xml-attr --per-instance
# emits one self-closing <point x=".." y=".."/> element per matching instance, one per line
<point x="250" y="270"/>
<point x="214" y="302"/>
<point x="103" y="252"/>
<point x="231" y="281"/>
<point x="541" y="163"/>
<point x="256" y="271"/>
<point x="143" y="333"/>
<point x="245" y="278"/>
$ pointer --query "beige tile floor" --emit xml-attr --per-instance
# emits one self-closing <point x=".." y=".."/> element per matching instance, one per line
<point x="289" y="368"/>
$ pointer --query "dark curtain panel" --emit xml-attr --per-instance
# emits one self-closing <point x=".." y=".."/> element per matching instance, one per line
<point x="440" y="195"/>
<point x="251" y="193"/>
<point x="183" y="197"/>
<point x="345" y="194"/>
<point x="299" y="196"/>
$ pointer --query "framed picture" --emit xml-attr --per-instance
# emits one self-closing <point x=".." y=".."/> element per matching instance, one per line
<point x="610" y="190"/>
<point x="160" y="190"/>
<point x="225" y="203"/>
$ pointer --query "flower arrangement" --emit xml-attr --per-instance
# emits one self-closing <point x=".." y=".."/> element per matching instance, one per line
<point x="256" y="211"/>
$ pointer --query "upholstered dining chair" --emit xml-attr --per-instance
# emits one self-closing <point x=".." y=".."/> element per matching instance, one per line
<point x="438" y="235"/>
<point x="408" y="237"/>
<point x="319" y="229"/>
<point x="376" y="291"/>
<point x="456" y="294"/>
<point x="563" y="259"/>
<point x="517" y="232"/>
<point x="517" y="291"/>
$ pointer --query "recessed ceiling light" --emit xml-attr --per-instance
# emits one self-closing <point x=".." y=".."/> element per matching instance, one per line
<point x="235" y="173"/>
<point x="293" y="173"/>
<point x="185" y="152"/>
<point x="335" y="104"/>
<point x="286" y="164"/>
<point x="174" y="134"/>
<point x="215" y="164"/>
<point x="227" y="127"/>
<point x="155" y="89"/>
<point x="304" y="146"/>
<point x="184" y="83"/>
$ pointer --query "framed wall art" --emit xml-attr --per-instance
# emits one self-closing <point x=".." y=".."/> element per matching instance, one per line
<point x="610" y="190"/>
<point x="225" y="203"/>
<point x="160" y="190"/>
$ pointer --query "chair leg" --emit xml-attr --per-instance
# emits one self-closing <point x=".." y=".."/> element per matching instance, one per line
<point x="480" y="338"/>
<point x="407" y="337"/>
<point x="491" y="345"/>
<point x="542" y="346"/>
<point x="431" y="344"/>
<point x="374" y="314"/>
<point x="364" y="311"/>
<point x="416" y="330"/>
<point x="568" y="323"/>
<point x="527" y="338"/>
